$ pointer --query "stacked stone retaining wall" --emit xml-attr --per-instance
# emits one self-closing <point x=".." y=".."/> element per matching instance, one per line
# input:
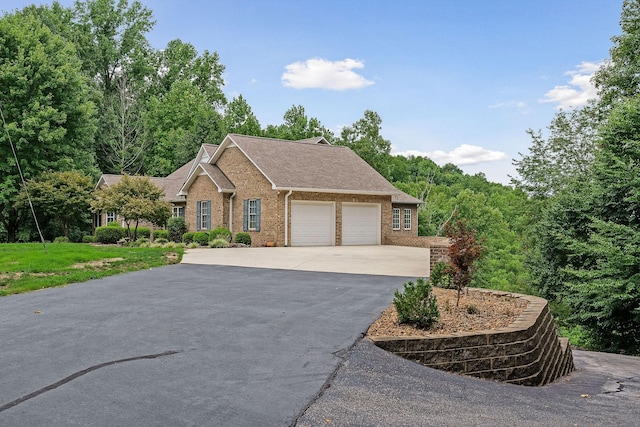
<point x="527" y="352"/>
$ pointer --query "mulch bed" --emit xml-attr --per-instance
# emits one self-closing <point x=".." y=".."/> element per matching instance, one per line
<point x="477" y="311"/>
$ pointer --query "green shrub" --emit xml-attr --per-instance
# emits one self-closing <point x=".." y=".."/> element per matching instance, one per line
<point x="161" y="240"/>
<point x="143" y="232"/>
<point x="160" y="234"/>
<point x="220" y="233"/>
<point x="416" y="304"/>
<point x="109" y="234"/>
<point x="243" y="238"/>
<point x="142" y="240"/>
<point x="201" y="238"/>
<point x="187" y="237"/>
<point x="219" y="243"/>
<point x="113" y="224"/>
<point x="61" y="239"/>
<point x="88" y="239"/>
<point x="176" y="226"/>
<point x="440" y="276"/>
<point x="192" y="245"/>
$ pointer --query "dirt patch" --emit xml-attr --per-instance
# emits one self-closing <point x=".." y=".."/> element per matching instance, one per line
<point x="477" y="311"/>
<point x="11" y="276"/>
<point x="97" y="263"/>
<point x="171" y="257"/>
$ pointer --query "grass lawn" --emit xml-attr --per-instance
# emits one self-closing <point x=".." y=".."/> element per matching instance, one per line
<point x="26" y="267"/>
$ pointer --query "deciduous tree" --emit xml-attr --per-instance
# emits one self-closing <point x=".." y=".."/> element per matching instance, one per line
<point x="46" y="104"/>
<point x="60" y="197"/>
<point x="365" y="139"/>
<point x="135" y="199"/>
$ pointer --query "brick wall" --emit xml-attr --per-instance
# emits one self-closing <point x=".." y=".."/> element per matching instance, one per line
<point x="204" y="189"/>
<point x="251" y="184"/>
<point x="527" y="352"/>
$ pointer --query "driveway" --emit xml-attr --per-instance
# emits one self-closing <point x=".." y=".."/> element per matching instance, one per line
<point x="181" y="345"/>
<point x="377" y="388"/>
<point x="377" y="260"/>
<point x="216" y="345"/>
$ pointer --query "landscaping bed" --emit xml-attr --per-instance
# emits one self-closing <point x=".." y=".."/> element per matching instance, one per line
<point x="477" y="311"/>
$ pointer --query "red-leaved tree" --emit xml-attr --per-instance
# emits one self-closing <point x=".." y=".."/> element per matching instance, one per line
<point x="464" y="251"/>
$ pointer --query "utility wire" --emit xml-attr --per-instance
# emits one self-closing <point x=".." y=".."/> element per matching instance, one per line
<point x="24" y="184"/>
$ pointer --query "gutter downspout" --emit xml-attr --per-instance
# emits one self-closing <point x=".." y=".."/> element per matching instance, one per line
<point x="231" y="210"/>
<point x="286" y="218"/>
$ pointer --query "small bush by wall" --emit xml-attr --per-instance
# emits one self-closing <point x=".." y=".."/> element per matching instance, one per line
<point x="201" y="238"/>
<point x="243" y="238"/>
<point x="220" y="233"/>
<point x="176" y="226"/>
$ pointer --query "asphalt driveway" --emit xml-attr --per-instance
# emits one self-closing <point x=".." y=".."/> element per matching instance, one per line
<point x="181" y="345"/>
<point x="216" y="345"/>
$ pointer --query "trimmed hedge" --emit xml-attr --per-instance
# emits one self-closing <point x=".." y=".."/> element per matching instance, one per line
<point x="243" y="238"/>
<point x="109" y="234"/>
<point x="188" y="237"/>
<point x="201" y="238"/>
<point x="143" y="232"/>
<point x="161" y="234"/>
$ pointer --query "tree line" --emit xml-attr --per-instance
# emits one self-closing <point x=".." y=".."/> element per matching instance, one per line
<point x="584" y="183"/>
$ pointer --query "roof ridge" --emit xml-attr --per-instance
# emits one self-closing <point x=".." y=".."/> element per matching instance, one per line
<point x="297" y="141"/>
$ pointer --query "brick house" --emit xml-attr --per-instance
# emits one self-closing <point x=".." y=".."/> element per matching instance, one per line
<point x="292" y="193"/>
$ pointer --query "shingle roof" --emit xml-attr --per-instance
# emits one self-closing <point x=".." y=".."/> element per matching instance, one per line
<point x="218" y="177"/>
<point x="403" y="198"/>
<point x="170" y="184"/>
<point x="312" y="167"/>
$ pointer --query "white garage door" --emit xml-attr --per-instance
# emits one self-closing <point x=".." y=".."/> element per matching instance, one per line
<point x="360" y="224"/>
<point x="312" y="223"/>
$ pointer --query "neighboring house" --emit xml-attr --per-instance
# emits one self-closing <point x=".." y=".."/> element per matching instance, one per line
<point x="292" y="193"/>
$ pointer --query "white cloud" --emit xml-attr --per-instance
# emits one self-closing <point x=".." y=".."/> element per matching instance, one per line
<point x="463" y="155"/>
<point x="579" y="90"/>
<point x="323" y="74"/>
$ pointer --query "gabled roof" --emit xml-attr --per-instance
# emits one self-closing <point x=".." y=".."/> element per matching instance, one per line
<point x="205" y="153"/>
<point x="214" y="173"/>
<point x="309" y="165"/>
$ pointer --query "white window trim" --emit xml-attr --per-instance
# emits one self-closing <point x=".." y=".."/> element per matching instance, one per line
<point x="112" y="215"/>
<point x="252" y="212"/>
<point x="178" y="211"/>
<point x="395" y="219"/>
<point x="407" y="219"/>
<point x="205" y="215"/>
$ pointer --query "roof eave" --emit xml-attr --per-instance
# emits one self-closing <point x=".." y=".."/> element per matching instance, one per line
<point x="333" y="190"/>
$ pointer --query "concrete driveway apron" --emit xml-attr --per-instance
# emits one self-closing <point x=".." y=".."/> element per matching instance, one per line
<point x="198" y="345"/>
<point x="377" y="260"/>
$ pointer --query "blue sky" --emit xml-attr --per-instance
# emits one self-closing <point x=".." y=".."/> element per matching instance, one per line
<point x="457" y="80"/>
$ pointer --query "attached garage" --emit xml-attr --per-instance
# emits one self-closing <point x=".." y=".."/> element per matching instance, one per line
<point x="312" y="223"/>
<point x="361" y="223"/>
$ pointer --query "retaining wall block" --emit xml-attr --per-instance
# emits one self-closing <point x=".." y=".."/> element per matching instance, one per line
<point x="527" y="352"/>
